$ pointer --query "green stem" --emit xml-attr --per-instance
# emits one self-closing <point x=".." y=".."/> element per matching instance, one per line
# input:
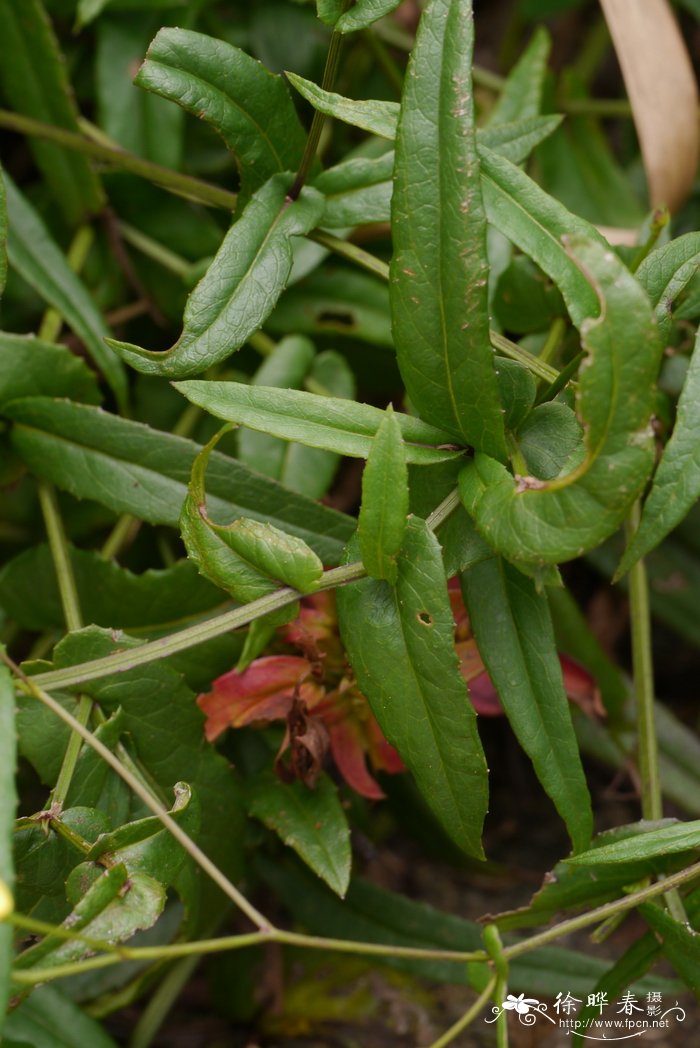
<point x="514" y="352"/>
<point x="67" y="588"/>
<point x="640" y="617"/>
<point x="58" y="544"/>
<point x="77" y="254"/>
<point x="175" y="181"/>
<point x="468" y="1018"/>
<point x="352" y="252"/>
<point x="155" y="251"/>
<point x="494" y="948"/>
<point x="562" y="379"/>
<point x="319" y="118"/>
<point x="659" y="220"/>
<point x="554" y="336"/>
<point x="144" y="794"/>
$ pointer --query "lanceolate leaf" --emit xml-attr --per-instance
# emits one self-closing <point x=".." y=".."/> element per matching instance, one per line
<point x="241" y="286"/>
<point x="321" y="422"/>
<point x="377" y="117"/>
<point x="311" y="821"/>
<point x="400" y="641"/>
<point x="249" y="106"/>
<point x="439" y="271"/>
<point x="666" y="272"/>
<point x="541" y="522"/>
<point x="363" y="13"/>
<point x="33" y="77"/>
<point x="681" y="837"/>
<point x="513" y="630"/>
<point x="7" y="819"/>
<point x="131" y="468"/>
<point x="382" y="521"/>
<point x="522" y="92"/>
<point x="677" y="480"/>
<point x="39" y="260"/>
<point x="536" y="223"/>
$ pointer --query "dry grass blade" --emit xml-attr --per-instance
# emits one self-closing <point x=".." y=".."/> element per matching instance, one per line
<point x="663" y="91"/>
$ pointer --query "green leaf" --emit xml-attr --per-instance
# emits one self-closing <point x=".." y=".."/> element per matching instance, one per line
<point x="311" y="821"/>
<point x="535" y="222"/>
<point x="249" y="107"/>
<point x="137" y="120"/>
<point x="439" y="270"/>
<point x="241" y="286"/>
<point x="337" y="302"/>
<point x="676" y="484"/>
<point x="34" y="80"/>
<point x="548" y="438"/>
<point x="665" y="272"/>
<point x="48" y="1019"/>
<point x="39" y="260"/>
<point x="400" y="641"/>
<point x="109" y="595"/>
<point x="526" y="300"/>
<point x="363" y="13"/>
<point x="357" y="191"/>
<point x="167" y="729"/>
<point x="378" y="117"/>
<point x="513" y="631"/>
<point x="114" y="907"/>
<point x="145" y="472"/>
<point x="517" y="390"/>
<point x="514" y="140"/>
<point x="522" y="92"/>
<point x="533" y="522"/>
<point x="8" y="800"/>
<point x="284" y="558"/>
<point x="329" y="10"/>
<point x="213" y="555"/>
<point x="680" y="943"/>
<point x="680" y="837"/>
<point x="375" y="915"/>
<point x="382" y="520"/>
<point x="30" y="367"/>
<point x="461" y="543"/>
<point x="346" y="427"/>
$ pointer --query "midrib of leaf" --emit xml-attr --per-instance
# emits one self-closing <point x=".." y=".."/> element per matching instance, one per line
<point x="228" y="100"/>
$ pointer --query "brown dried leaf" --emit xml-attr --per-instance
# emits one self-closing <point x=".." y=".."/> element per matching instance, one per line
<point x="663" y="92"/>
